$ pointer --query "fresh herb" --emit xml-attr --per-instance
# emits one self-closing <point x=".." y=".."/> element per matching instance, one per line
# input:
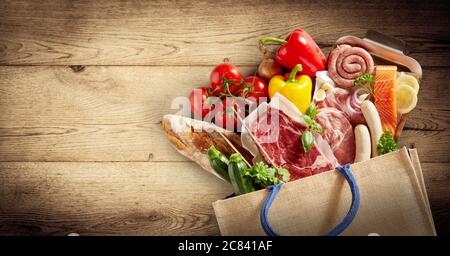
<point x="311" y="111"/>
<point x="364" y="79"/>
<point x="283" y="174"/>
<point x="312" y="124"/>
<point x="243" y="178"/>
<point x="307" y="138"/>
<point x="386" y="143"/>
<point x="263" y="175"/>
<point x="307" y="141"/>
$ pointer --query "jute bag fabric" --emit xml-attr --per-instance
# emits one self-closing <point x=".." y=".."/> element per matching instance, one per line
<point x="393" y="201"/>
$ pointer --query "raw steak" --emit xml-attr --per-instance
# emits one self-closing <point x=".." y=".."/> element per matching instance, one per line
<point x="338" y="132"/>
<point x="285" y="149"/>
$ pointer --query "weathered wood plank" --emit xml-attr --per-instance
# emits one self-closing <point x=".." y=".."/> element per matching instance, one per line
<point x="108" y="198"/>
<point x="437" y="178"/>
<point x="203" y="33"/>
<point x="134" y="198"/>
<point x="98" y="114"/>
<point x="113" y="113"/>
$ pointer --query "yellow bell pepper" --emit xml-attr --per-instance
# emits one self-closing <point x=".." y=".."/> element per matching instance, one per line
<point x="297" y="89"/>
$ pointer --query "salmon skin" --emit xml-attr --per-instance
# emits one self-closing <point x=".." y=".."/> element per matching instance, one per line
<point x="384" y="94"/>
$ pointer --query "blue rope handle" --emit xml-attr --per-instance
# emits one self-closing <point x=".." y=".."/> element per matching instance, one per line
<point x="344" y="170"/>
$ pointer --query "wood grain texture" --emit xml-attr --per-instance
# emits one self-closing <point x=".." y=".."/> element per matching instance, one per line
<point x="108" y="199"/>
<point x="81" y="148"/>
<point x="114" y="113"/>
<point x="134" y="198"/>
<point x="203" y="33"/>
<point x="437" y="178"/>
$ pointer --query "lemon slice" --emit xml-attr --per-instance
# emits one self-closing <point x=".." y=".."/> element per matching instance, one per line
<point x="406" y="98"/>
<point x="405" y="79"/>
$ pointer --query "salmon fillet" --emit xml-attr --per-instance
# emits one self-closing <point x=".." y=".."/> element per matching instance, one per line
<point x="384" y="94"/>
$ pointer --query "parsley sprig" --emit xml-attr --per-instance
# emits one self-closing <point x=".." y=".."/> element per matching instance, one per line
<point x="365" y="81"/>
<point x="386" y="143"/>
<point x="263" y="175"/>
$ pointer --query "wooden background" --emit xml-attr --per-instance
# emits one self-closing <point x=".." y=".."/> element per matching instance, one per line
<point x="84" y="84"/>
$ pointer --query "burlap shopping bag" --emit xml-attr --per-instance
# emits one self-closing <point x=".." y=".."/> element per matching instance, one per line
<point x="392" y="201"/>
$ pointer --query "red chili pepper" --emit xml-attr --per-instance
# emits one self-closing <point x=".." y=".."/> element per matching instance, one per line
<point x="298" y="48"/>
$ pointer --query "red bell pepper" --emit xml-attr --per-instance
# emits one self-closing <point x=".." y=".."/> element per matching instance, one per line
<point x="298" y="48"/>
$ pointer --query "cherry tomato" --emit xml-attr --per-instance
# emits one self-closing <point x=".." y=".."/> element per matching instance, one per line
<point x="254" y="87"/>
<point x="198" y="99"/>
<point x="226" y="117"/>
<point x="225" y="75"/>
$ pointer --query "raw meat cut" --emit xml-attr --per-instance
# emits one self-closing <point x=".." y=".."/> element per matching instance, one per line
<point x="338" y="132"/>
<point x="286" y="150"/>
<point x="340" y="99"/>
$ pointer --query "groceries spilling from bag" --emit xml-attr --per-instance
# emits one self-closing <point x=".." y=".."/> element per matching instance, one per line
<point x="298" y="114"/>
